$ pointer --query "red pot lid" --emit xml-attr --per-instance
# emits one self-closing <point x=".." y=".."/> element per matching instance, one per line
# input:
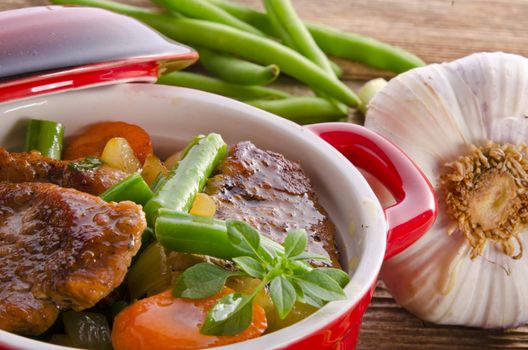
<point x="51" y="48"/>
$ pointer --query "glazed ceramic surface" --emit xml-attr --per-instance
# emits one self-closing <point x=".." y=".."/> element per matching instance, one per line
<point x="173" y="116"/>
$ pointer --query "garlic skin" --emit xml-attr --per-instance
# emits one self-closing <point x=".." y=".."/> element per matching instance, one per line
<point x="434" y="114"/>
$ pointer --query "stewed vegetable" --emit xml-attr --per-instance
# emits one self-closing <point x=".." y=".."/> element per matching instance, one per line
<point x="232" y="277"/>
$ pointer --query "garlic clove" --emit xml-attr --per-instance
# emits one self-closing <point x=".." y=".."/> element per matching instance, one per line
<point x="435" y="114"/>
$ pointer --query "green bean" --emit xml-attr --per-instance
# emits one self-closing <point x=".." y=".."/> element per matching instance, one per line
<point x="132" y="188"/>
<point x="283" y="15"/>
<point x="201" y="9"/>
<point x="178" y="190"/>
<point x="235" y="70"/>
<point x="302" y="110"/>
<point x="333" y="42"/>
<point x="231" y="40"/>
<point x="338" y="71"/>
<point x="197" y="235"/>
<point x="44" y="136"/>
<point x="217" y="86"/>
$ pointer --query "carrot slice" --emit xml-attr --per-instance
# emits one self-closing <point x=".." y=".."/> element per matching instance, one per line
<point x="165" y="322"/>
<point x="92" y="141"/>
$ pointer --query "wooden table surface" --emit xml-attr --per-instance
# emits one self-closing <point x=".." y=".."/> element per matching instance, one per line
<point x="436" y="30"/>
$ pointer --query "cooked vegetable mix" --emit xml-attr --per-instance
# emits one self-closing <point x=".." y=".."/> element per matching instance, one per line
<point x="46" y="137"/>
<point x="186" y="260"/>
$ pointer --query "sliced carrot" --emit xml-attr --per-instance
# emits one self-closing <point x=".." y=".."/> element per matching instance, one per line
<point x="92" y="141"/>
<point x="165" y="322"/>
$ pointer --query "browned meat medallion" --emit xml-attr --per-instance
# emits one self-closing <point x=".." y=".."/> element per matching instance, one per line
<point x="33" y="167"/>
<point x="272" y="194"/>
<point x="60" y="249"/>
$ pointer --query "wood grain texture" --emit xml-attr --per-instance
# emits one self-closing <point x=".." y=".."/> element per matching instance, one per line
<point x="436" y="30"/>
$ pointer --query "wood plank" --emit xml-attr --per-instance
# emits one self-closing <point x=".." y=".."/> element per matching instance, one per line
<point x="436" y="30"/>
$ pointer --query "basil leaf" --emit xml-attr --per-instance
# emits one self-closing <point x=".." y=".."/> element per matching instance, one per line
<point x="250" y="266"/>
<point x="338" y="275"/>
<point x="200" y="281"/>
<point x="318" y="284"/>
<point x="310" y="256"/>
<point x="87" y="163"/>
<point x="243" y="236"/>
<point x="231" y="315"/>
<point x="295" y="243"/>
<point x="283" y="295"/>
<point x="306" y="298"/>
<point x="313" y="300"/>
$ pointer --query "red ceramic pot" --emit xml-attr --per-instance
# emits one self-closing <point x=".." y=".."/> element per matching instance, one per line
<point x="329" y="153"/>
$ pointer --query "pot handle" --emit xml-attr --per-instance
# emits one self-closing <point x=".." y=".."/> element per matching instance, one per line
<point x="416" y="206"/>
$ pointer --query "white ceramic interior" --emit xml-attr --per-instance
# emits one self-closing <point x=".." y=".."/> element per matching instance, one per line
<point x="173" y="116"/>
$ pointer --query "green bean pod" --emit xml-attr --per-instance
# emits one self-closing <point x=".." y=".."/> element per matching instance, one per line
<point x="283" y="16"/>
<point x="234" y="41"/>
<point x="235" y="70"/>
<point x="333" y="42"/>
<point x="132" y="188"/>
<point x="217" y="86"/>
<point x="179" y="188"/>
<point x="302" y="110"/>
<point x="44" y="136"/>
<point x="197" y="235"/>
<point x="205" y="10"/>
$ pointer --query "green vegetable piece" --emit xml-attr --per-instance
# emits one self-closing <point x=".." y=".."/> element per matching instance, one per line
<point x="235" y="70"/>
<point x="86" y="164"/>
<point x="283" y="295"/>
<point x="87" y="330"/>
<point x="132" y="188"/>
<point x="200" y="281"/>
<point x="340" y="276"/>
<point x="284" y="17"/>
<point x="302" y="110"/>
<point x="230" y="316"/>
<point x="338" y="71"/>
<point x="320" y="285"/>
<point x="333" y="42"/>
<point x="295" y="243"/>
<point x="310" y="256"/>
<point x="188" y="178"/>
<point x="243" y="236"/>
<point x="220" y="87"/>
<point x="46" y="137"/>
<point x="250" y="266"/>
<point x="201" y="9"/>
<point x="209" y="236"/>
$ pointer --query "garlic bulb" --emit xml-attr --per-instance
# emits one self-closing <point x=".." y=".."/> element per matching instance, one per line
<point x="465" y="124"/>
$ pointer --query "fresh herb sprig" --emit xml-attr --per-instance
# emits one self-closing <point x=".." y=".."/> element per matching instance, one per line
<point x="287" y="276"/>
<point x="88" y="163"/>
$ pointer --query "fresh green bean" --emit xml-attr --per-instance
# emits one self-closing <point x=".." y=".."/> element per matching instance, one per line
<point x="302" y="110"/>
<point x="333" y="42"/>
<point x="46" y="137"/>
<point x="338" y="71"/>
<point x="227" y="39"/>
<point x="283" y="15"/>
<point x="201" y="9"/>
<point x="132" y="188"/>
<point x="178" y="190"/>
<point x="235" y="70"/>
<point x="197" y="235"/>
<point x="217" y="86"/>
